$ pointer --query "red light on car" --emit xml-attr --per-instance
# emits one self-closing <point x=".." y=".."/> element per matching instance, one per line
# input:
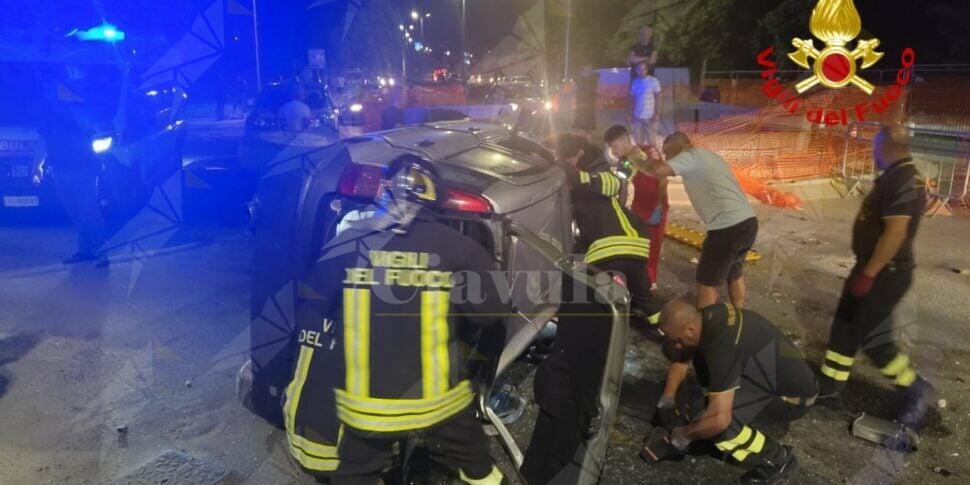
<point x="360" y="181"/>
<point x="461" y="201"/>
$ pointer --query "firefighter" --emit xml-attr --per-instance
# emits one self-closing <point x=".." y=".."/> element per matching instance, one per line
<point x="882" y="240"/>
<point x="612" y="238"/>
<point x="403" y="298"/>
<point x="568" y="381"/>
<point x="750" y="371"/>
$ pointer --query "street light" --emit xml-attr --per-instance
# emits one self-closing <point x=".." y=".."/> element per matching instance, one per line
<point x="414" y="14"/>
<point x="426" y="16"/>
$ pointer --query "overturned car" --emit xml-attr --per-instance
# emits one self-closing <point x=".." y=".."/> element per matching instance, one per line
<point x="501" y="189"/>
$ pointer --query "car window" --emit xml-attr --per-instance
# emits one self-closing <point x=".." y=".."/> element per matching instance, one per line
<point x="496" y="162"/>
<point x="528" y="147"/>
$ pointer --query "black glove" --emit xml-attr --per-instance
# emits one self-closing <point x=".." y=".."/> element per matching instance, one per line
<point x="667" y="415"/>
<point x="657" y="447"/>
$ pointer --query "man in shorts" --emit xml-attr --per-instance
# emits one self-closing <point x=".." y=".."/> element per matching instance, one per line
<point x="732" y="226"/>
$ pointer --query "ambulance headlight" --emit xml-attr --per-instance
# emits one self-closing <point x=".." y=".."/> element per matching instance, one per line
<point x="103" y="144"/>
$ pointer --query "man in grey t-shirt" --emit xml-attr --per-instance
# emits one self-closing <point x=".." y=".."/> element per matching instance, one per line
<point x="732" y="226"/>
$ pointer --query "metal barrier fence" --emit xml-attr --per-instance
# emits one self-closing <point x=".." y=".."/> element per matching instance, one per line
<point x="943" y="159"/>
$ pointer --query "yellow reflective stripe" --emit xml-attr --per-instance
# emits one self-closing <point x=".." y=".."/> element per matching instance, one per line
<point x="441" y="332"/>
<point x="428" y="388"/>
<point x="612" y="184"/>
<point x="624" y="221"/>
<point x="295" y="389"/>
<point x="312" y="462"/>
<point x="407" y="422"/>
<point x="896" y="366"/>
<point x="839" y="358"/>
<point x="654" y="319"/>
<point x="735" y="442"/>
<point x="324" y="458"/>
<point x="312" y="455"/>
<point x="617" y="246"/>
<point x="604" y="184"/>
<point x="584" y="177"/>
<point x="493" y="478"/>
<point x="609" y="184"/>
<point x="906" y="378"/>
<point x="839" y="375"/>
<point x="435" y="364"/>
<point x="593" y="258"/>
<point x="357" y="340"/>
<point x="391" y="407"/>
<point x="756" y="446"/>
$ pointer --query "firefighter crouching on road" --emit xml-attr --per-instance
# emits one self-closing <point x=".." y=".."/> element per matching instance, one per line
<point x="402" y="297"/>
<point x="613" y="239"/>
<point x="882" y="240"/>
<point x="750" y="371"/>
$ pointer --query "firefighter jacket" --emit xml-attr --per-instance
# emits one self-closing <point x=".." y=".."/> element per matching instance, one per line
<point x="607" y="230"/>
<point x="390" y="323"/>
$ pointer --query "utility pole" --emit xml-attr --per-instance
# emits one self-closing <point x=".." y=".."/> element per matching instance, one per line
<point x="464" y="71"/>
<point x="259" y="76"/>
<point x="569" y="17"/>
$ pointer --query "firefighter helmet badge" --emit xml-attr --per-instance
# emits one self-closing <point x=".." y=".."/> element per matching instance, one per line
<point x="836" y="23"/>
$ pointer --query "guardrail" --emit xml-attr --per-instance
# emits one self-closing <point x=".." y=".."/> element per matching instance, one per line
<point x="943" y="158"/>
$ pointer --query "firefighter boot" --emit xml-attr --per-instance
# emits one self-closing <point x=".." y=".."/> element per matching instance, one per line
<point x="766" y="474"/>
<point x="830" y="393"/>
<point x="916" y="401"/>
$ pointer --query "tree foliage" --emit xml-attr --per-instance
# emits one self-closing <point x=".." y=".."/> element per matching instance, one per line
<point x="730" y="33"/>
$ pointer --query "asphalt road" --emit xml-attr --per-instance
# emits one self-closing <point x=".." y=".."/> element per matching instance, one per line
<point x="151" y="345"/>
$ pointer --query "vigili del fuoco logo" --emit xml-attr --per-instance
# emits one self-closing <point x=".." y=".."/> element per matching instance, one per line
<point x="836" y="23"/>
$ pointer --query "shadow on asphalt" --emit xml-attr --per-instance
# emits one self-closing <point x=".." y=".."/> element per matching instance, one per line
<point x="13" y="348"/>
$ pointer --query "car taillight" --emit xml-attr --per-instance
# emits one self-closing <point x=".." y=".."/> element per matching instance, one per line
<point x="462" y="201"/>
<point x="360" y="181"/>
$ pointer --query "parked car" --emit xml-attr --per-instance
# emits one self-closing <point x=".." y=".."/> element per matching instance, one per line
<point x="266" y="133"/>
<point x="135" y="134"/>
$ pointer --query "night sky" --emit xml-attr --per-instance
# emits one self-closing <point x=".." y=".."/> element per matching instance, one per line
<point x="289" y="27"/>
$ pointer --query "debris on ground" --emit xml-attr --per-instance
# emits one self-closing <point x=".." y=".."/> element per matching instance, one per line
<point x="960" y="270"/>
<point x="122" y="429"/>
<point x="175" y="467"/>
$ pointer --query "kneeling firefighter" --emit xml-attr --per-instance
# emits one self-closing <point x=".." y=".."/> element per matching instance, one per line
<point x="400" y="299"/>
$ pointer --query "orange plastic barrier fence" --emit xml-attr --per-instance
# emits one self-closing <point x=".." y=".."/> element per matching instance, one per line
<point x="437" y="95"/>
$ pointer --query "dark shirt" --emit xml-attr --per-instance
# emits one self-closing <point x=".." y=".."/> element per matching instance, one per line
<point x="899" y="192"/>
<point x="742" y="349"/>
<point x="68" y="144"/>
<point x="643" y="50"/>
